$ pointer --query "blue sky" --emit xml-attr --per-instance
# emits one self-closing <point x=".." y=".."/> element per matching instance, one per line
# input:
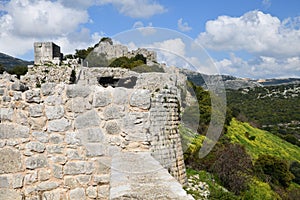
<point x="245" y="38"/>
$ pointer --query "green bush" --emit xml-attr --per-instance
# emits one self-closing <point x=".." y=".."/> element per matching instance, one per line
<point x="274" y="169"/>
<point x="295" y="170"/>
<point x="18" y="70"/>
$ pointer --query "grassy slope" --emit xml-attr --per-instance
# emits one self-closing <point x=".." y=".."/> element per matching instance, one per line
<point x="264" y="143"/>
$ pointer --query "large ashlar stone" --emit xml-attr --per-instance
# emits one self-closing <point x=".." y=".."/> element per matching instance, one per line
<point x="33" y="96"/>
<point x="102" y="98"/>
<point x="53" y="100"/>
<point x="10" y="131"/>
<point x="41" y="136"/>
<point x="80" y="167"/>
<point x="141" y="99"/>
<point x="95" y="149"/>
<point x="35" y="162"/>
<point x="78" y="91"/>
<point x="10" y="161"/>
<point x="90" y="135"/>
<point x="48" y="89"/>
<point x="9" y="194"/>
<point x="59" y="125"/>
<point x="6" y="114"/>
<point x="77" y="193"/>
<point x="78" y="105"/>
<point x="54" y="112"/>
<point x="36" y="110"/>
<point x="35" y="146"/>
<point x="87" y="120"/>
<point x="121" y="96"/>
<point x="38" y="123"/>
<point x="44" y="186"/>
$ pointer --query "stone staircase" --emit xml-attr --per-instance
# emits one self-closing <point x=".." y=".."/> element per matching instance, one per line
<point x="139" y="176"/>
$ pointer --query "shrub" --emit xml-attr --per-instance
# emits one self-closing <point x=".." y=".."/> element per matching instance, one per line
<point x="18" y="70"/>
<point x="295" y="170"/>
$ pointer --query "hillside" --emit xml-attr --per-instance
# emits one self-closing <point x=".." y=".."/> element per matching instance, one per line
<point x="9" y="62"/>
<point x="259" y="142"/>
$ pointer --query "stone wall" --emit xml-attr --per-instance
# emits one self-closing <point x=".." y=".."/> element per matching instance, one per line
<point x="46" y="51"/>
<point x="58" y="141"/>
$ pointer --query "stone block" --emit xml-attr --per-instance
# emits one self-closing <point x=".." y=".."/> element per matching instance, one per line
<point x="57" y="171"/>
<point x="87" y="120"/>
<point x="17" y="181"/>
<point x="54" y="112"/>
<point x="121" y="96"/>
<point x="112" y="128"/>
<point x="77" y="193"/>
<point x="59" y="125"/>
<point x="83" y="179"/>
<point x="55" y="149"/>
<point x="9" y="194"/>
<point x="35" y="146"/>
<point x="4" y="183"/>
<point x="10" y="161"/>
<point x="70" y="182"/>
<point x="60" y="159"/>
<point x="53" y="100"/>
<point x="36" y="110"/>
<point x="31" y="178"/>
<point x="102" y="98"/>
<point x="33" y="96"/>
<point x="48" y="89"/>
<point x="37" y="161"/>
<point x="113" y="112"/>
<point x="91" y="192"/>
<point x="44" y="175"/>
<point x="56" y="138"/>
<point x="90" y="135"/>
<point x="141" y="99"/>
<point x="71" y="138"/>
<point x="6" y="114"/>
<point x="78" y="105"/>
<point x="95" y="149"/>
<point x="77" y="91"/>
<point x="46" y="186"/>
<point x="103" y="192"/>
<point x="11" y="131"/>
<point x="38" y="124"/>
<point x="41" y="136"/>
<point x="80" y="167"/>
<point x="18" y="86"/>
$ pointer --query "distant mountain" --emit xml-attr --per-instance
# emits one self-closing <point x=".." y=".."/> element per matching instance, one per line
<point x="9" y="62"/>
<point x="231" y="82"/>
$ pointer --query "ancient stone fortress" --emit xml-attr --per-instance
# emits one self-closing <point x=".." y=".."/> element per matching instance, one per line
<point x="90" y="140"/>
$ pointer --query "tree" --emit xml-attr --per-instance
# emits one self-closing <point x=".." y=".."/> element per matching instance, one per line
<point x="18" y="70"/>
<point x="295" y="170"/>
<point x="273" y="169"/>
<point x="234" y="167"/>
<point x="2" y="69"/>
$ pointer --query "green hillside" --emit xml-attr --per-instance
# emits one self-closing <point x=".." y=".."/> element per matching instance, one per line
<point x="258" y="142"/>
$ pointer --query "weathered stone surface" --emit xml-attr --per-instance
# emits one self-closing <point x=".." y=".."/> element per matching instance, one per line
<point x="54" y="112"/>
<point x="38" y="123"/>
<point x="56" y="138"/>
<point x="113" y="112"/>
<point x="18" y="86"/>
<point x="103" y="165"/>
<point x="121" y="96"/>
<point x="9" y="194"/>
<point x="103" y="192"/>
<point x="102" y="98"/>
<point x="70" y="181"/>
<point x="95" y="149"/>
<point x="58" y="125"/>
<point x="44" y="175"/>
<point x="17" y="181"/>
<point x="35" y="146"/>
<point x="51" y="195"/>
<point x="71" y="138"/>
<point x="10" y="131"/>
<point x="141" y="99"/>
<point x="53" y="100"/>
<point x="77" y="193"/>
<point x="4" y="182"/>
<point x="60" y="159"/>
<point x="78" y="105"/>
<point x="49" y="185"/>
<point x="83" y="179"/>
<point x="10" y="161"/>
<point x="102" y="179"/>
<point x="35" y="162"/>
<point x="57" y="148"/>
<point x="112" y="128"/>
<point x="36" y="110"/>
<point x="90" y="135"/>
<point x="80" y="167"/>
<point x="33" y="96"/>
<point x="48" y="89"/>
<point x="31" y="178"/>
<point x="41" y="136"/>
<point x="73" y="155"/>
<point x="78" y="91"/>
<point x="57" y="171"/>
<point x="91" y="192"/>
<point x="87" y="120"/>
<point x="6" y="114"/>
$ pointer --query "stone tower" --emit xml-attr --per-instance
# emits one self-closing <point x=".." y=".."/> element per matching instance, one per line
<point x="46" y="51"/>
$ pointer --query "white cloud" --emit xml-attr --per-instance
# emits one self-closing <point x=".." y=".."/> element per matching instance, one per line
<point x="27" y="21"/>
<point x="261" y="67"/>
<point x="183" y="26"/>
<point x="255" y="32"/>
<point x="136" y="8"/>
<point x="145" y="30"/>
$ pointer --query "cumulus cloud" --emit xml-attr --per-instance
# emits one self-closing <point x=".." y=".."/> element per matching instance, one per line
<point x="255" y="32"/>
<point x="136" y="8"/>
<point x="183" y="26"/>
<point x="145" y="30"/>
<point x="261" y="67"/>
